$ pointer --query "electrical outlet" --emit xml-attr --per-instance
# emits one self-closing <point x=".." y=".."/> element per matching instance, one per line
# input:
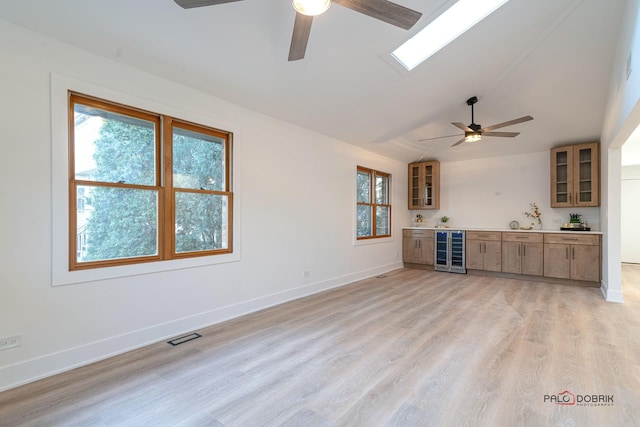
<point x="10" y="342"/>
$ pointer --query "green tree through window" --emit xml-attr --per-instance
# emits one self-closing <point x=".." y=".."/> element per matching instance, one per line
<point x="124" y="221"/>
<point x="373" y="206"/>
<point x="200" y="217"/>
<point x="124" y="209"/>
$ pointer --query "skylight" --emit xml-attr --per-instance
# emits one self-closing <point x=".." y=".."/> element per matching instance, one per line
<point x="443" y="30"/>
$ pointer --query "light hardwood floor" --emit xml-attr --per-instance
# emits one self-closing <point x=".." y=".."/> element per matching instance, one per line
<point x="416" y="348"/>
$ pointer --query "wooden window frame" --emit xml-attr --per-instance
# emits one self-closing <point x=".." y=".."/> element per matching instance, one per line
<point x="372" y="197"/>
<point x="163" y="184"/>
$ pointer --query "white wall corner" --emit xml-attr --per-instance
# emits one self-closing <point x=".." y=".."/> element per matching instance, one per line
<point x="611" y="295"/>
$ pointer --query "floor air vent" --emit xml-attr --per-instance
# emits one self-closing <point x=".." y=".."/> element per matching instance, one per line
<point x="382" y="276"/>
<point x="183" y="339"/>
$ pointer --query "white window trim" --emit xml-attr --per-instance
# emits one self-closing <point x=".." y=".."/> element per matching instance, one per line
<point x="60" y="274"/>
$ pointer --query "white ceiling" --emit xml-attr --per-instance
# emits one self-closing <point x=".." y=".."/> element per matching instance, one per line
<point x="551" y="59"/>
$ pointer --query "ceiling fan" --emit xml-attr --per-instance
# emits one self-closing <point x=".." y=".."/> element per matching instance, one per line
<point x="475" y="132"/>
<point x="382" y="10"/>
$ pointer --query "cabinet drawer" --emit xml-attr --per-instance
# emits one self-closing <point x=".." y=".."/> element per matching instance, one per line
<point x="572" y="239"/>
<point x="484" y="235"/>
<point x="417" y="233"/>
<point x="522" y="237"/>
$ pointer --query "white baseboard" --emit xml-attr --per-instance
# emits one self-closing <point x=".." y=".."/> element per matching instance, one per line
<point x="611" y="295"/>
<point x="27" y="371"/>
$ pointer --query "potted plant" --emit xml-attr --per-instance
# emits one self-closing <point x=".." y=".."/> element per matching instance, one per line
<point x="443" y="221"/>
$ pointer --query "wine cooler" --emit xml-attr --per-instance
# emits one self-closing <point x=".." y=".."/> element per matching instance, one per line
<point x="449" y="253"/>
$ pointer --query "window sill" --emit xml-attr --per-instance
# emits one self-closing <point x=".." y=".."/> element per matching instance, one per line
<point x="61" y="278"/>
<point x="374" y="241"/>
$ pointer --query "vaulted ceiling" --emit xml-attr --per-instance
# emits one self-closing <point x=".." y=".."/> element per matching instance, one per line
<point x="551" y="59"/>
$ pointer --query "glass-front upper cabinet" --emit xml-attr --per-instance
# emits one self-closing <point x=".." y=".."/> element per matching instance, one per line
<point x="575" y="175"/>
<point x="424" y="185"/>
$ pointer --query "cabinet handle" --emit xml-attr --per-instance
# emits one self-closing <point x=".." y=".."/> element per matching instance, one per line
<point x="573" y="253"/>
<point x="570" y="197"/>
<point x="518" y="250"/>
<point x="566" y="250"/>
<point x="480" y="248"/>
<point x="524" y="250"/>
<point x="570" y="239"/>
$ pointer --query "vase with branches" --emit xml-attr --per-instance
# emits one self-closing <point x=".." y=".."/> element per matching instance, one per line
<point x="534" y="214"/>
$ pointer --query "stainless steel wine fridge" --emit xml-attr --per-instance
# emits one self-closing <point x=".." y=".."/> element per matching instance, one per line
<point x="449" y="253"/>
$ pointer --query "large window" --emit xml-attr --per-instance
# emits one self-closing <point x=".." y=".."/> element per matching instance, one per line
<point x="373" y="210"/>
<point x="144" y="187"/>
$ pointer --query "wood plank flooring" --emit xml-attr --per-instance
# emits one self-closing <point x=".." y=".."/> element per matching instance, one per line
<point x="416" y="348"/>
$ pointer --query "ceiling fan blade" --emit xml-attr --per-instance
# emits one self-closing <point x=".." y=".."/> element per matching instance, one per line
<point x="300" y="37"/>
<point x="504" y="134"/>
<point x="459" y="142"/>
<point x="462" y="126"/>
<point x="188" y="4"/>
<point x="384" y="10"/>
<point x="505" y="124"/>
<point x="438" y="137"/>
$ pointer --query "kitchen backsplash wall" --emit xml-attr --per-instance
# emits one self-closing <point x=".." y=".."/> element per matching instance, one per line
<point x="490" y="193"/>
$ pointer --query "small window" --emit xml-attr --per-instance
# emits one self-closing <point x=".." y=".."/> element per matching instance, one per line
<point x="138" y="197"/>
<point x="373" y="204"/>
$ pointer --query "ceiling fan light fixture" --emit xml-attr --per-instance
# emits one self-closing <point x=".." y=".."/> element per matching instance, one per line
<point x="472" y="136"/>
<point x="311" y="7"/>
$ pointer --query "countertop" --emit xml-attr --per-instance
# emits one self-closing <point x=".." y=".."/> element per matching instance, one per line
<point x="503" y="230"/>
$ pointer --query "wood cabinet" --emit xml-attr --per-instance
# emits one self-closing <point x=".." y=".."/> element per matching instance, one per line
<point x="483" y="251"/>
<point x="571" y="256"/>
<point x="424" y="185"/>
<point x="575" y="176"/>
<point x="523" y="253"/>
<point x="417" y="246"/>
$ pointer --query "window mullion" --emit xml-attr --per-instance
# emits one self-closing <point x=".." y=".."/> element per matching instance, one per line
<point x="168" y="211"/>
<point x="374" y="216"/>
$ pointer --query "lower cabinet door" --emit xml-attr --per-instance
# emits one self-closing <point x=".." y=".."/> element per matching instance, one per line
<point x="492" y="255"/>
<point x="474" y="255"/>
<point x="409" y="249"/>
<point x="585" y="263"/>
<point x="533" y="259"/>
<point x="426" y="251"/>
<point x="511" y="257"/>
<point x="557" y="262"/>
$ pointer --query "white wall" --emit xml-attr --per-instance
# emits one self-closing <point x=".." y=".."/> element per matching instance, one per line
<point x="630" y="209"/>
<point x="490" y="193"/>
<point x="622" y="118"/>
<point x="295" y="198"/>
